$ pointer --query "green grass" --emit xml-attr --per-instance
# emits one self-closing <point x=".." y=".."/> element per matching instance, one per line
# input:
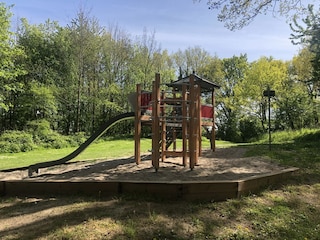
<point x="293" y="148"/>
<point x="100" y="150"/>
<point x="290" y="210"/>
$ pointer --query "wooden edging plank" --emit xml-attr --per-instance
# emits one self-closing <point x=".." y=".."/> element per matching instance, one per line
<point x="187" y="190"/>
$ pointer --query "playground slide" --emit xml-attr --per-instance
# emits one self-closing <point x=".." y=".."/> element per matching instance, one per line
<point x="35" y="167"/>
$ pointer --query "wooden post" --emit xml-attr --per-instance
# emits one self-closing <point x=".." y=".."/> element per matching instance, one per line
<point x="192" y="124"/>
<point x="198" y="124"/>
<point x="163" y="129"/>
<point x="137" y="125"/>
<point x="174" y="132"/>
<point x="156" y="122"/>
<point x="213" y="131"/>
<point x="184" y="125"/>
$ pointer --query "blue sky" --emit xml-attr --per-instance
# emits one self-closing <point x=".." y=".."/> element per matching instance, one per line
<point x="178" y="24"/>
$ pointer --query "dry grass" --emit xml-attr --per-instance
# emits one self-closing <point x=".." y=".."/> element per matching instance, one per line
<point x="292" y="212"/>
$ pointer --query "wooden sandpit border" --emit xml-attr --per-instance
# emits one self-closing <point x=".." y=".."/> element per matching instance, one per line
<point x="185" y="190"/>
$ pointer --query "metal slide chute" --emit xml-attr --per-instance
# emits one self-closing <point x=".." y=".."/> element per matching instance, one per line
<point x="125" y="116"/>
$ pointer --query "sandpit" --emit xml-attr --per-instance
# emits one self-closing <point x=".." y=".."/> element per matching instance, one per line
<point x="221" y="165"/>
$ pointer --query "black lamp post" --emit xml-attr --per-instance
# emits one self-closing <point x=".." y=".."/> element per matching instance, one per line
<point x="269" y="93"/>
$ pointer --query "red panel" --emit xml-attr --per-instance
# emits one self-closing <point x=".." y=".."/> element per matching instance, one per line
<point x="206" y="111"/>
<point x="146" y="98"/>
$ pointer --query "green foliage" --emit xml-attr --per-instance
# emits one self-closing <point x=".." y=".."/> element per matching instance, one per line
<point x="10" y="68"/>
<point x="250" y="129"/>
<point x="229" y="131"/>
<point x="48" y="65"/>
<point x="308" y="135"/>
<point x="16" y="141"/>
<point x="238" y="14"/>
<point x="79" y="76"/>
<point x="39" y="128"/>
<point x="234" y="69"/>
<point x="309" y="35"/>
<point x="37" y="134"/>
<point x="77" y="138"/>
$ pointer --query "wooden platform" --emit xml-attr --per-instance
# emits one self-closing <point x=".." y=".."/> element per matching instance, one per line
<point x="186" y="190"/>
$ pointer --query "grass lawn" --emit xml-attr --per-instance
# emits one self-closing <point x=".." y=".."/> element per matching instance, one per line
<point x="100" y="150"/>
<point x="291" y="210"/>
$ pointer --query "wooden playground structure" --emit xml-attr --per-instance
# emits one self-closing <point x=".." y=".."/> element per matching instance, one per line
<point x="175" y="112"/>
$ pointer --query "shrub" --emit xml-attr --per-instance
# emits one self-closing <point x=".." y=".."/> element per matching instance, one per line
<point x="77" y="139"/>
<point x="45" y="137"/>
<point x="16" y="141"/>
<point x="4" y="147"/>
<point x="54" y="140"/>
<point x="308" y="135"/>
<point x="59" y="143"/>
<point x="37" y="134"/>
<point x="228" y="133"/>
<point x="39" y="129"/>
<point x="250" y="129"/>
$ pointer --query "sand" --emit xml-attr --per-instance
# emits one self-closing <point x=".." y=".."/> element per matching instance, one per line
<point x="223" y="164"/>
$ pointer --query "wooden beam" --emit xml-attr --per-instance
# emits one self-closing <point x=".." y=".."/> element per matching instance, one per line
<point x="156" y="122"/>
<point x="163" y="129"/>
<point x="192" y="124"/>
<point x="137" y="126"/>
<point x="184" y="125"/>
<point x="213" y="132"/>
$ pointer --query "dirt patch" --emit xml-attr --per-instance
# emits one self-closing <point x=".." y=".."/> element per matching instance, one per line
<point x="223" y="164"/>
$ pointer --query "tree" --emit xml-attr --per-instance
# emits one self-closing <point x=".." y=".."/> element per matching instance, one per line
<point x="240" y="13"/>
<point x="117" y="53"/>
<point x="302" y="73"/>
<point x="10" y="68"/>
<point x="263" y="73"/>
<point x="302" y="70"/>
<point x="146" y="48"/>
<point x="190" y="60"/>
<point x="212" y="70"/>
<point x="309" y="37"/>
<point x="234" y="71"/>
<point x="164" y="66"/>
<point x="85" y="36"/>
<point x="47" y="84"/>
<point x="293" y="108"/>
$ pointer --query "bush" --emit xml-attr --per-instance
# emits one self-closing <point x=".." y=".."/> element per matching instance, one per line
<point x="59" y="143"/>
<point x="4" y="147"/>
<point x="54" y="140"/>
<point x="45" y="137"/>
<point x="308" y="135"/>
<point x="228" y="133"/>
<point x="37" y="134"/>
<point x="16" y="141"/>
<point x="77" y="139"/>
<point x="250" y="129"/>
<point x="39" y="129"/>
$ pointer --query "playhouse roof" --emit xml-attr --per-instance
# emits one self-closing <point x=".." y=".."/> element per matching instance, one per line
<point x="205" y="85"/>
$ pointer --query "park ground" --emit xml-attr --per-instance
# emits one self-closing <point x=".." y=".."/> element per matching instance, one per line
<point x="288" y="210"/>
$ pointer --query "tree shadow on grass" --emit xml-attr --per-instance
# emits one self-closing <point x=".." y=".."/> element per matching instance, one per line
<point x="302" y="153"/>
<point x="32" y="223"/>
